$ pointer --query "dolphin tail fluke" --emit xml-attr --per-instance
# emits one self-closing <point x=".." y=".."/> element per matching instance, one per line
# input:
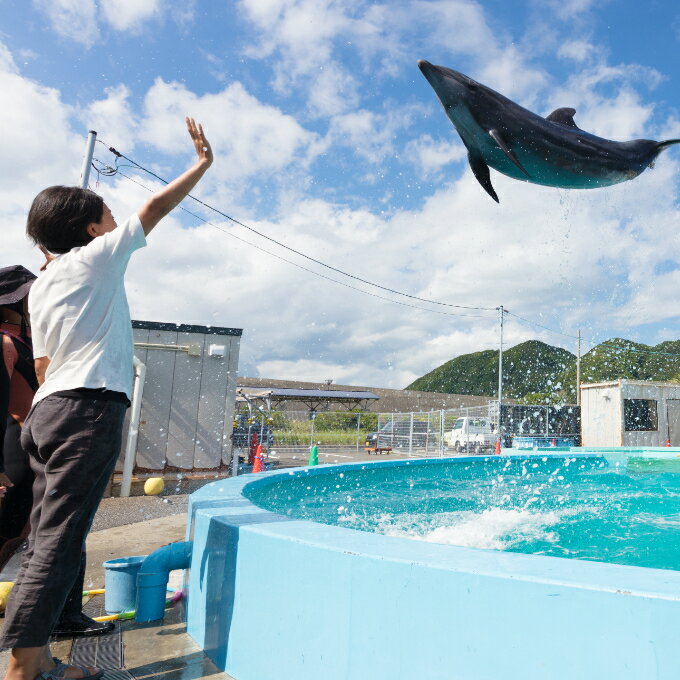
<point x="481" y="172"/>
<point x="668" y="142"/>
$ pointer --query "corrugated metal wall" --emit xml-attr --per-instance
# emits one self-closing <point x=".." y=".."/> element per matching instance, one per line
<point x="188" y="401"/>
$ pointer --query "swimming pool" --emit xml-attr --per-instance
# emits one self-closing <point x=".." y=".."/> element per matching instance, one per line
<point x="274" y="594"/>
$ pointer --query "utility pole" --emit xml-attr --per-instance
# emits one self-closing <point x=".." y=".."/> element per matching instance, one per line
<point x="87" y="159"/>
<point x="500" y="375"/>
<point x="578" y="369"/>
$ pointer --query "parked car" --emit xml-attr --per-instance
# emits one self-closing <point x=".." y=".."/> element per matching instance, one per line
<point x="243" y="431"/>
<point x="397" y="435"/>
<point x="471" y="434"/>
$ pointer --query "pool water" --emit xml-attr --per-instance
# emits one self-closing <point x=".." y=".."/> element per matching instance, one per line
<point x="574" y="507"/>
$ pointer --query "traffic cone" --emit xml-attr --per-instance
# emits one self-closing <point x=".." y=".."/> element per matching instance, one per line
<point x="498" y="447"/>
<point x="314" y="455"/>
<point x="668" y="442"/>
<point x="258" y="462"/>
<point x="553" y="443"/>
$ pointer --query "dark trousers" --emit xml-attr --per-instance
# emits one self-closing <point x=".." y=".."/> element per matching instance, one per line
<point x="73" y="443"/>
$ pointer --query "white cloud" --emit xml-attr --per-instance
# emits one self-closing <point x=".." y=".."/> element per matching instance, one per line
<point x="72" y="19"/>
<point x="113" y="118"/>
<point x="430" y="155"/>
<point x="128" y="15"/>
<point x="79" y="20"/>
<point x="579" y="51"/>
<point x="590" y="259"/>
<point x="248" y="137"/>
<point x="369" y="134"/>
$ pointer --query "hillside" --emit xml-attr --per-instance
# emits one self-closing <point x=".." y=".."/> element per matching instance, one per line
<point x="531" y="366"/>
<point x="620" y="358"/>
<point x="540" y="372"/>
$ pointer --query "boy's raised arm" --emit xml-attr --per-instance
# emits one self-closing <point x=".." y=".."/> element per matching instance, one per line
<point x="161" y="203"/>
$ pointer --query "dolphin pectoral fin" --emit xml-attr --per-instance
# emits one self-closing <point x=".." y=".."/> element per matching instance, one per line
<point x="481" y="171"/>
<point x="507" y="151"/>
<point x="563" y="117"/>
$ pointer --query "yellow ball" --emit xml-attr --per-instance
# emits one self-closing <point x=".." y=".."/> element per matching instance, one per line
<point x="5" y="590"/>
<point x="153" y="486"/>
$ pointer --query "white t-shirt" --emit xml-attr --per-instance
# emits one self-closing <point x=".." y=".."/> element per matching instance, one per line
<point x="80" y="318"/>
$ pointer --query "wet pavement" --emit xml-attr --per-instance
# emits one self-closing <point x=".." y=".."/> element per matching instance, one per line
<point x="135" y="526"/>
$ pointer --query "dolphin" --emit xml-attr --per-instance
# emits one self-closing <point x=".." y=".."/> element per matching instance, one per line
<point x="551" y="151"/>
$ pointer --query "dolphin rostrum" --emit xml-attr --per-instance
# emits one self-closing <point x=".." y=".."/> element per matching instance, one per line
<point x="551" y="151"/>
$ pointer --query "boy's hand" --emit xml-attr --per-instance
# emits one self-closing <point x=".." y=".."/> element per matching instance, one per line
<point x="202" y="145"/>
<point x="170" y="196"/>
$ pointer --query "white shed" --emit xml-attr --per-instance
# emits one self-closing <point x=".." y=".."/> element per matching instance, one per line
<point x="630" y="413"/>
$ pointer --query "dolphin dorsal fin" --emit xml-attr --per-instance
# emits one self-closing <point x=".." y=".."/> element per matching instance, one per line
<point x="563" y="116"/>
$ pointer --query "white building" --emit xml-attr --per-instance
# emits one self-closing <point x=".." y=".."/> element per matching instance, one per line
<point x="630" y="413"/>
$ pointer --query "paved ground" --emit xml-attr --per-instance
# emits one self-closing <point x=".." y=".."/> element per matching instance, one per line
<point x="137" y="526"/>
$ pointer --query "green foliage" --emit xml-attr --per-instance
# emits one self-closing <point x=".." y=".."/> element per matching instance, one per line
<point x="617" y="358"/>
<point x="332" y="427"/>
<point x="539" y="373"/>
<point x="531" y="366"/>
<point x="542" y="398"/>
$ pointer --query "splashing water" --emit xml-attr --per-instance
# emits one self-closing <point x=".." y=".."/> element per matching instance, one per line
<point x="570" y="507"/>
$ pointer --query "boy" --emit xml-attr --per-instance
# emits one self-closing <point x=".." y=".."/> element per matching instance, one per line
<point x="82" y="341"/>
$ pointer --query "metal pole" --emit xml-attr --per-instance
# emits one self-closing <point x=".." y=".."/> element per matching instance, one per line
<point x="358" y="430"/>
<point x="133" y="430"/>
<point x="441" y="433"/>
<point x="500" y="376"/>
<point x="578" y="369"/>
<point x="87" y="159"/>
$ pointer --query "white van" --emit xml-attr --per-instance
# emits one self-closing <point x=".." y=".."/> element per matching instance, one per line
<point x="471" y="434"/>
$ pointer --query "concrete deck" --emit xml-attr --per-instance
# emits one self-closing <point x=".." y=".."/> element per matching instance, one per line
<point x="148" y="650"/>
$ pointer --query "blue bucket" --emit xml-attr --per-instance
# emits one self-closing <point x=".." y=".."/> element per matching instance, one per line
<point x="121" y="583"/>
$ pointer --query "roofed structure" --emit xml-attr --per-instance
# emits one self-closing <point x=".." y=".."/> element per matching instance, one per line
<point x="388" y="401"/>
<point x="313" y="399"/>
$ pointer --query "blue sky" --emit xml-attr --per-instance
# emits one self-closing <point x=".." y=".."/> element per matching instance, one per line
<point x="328" y="138"/>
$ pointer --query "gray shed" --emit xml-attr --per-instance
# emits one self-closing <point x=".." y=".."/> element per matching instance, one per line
<point x="630" y="413"/>
<point x="188" y="396"/>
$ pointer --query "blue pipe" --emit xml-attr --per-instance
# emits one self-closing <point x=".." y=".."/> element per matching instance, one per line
<point x="152" y="579"/>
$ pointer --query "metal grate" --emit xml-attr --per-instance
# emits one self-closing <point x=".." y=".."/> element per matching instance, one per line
<point x="103" y="651"/>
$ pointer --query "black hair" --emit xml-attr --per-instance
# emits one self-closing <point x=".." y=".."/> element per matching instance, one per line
<point x="59" y="216"/>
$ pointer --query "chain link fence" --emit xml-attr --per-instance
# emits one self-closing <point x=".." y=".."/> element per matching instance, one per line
<point x="415" y="434"/>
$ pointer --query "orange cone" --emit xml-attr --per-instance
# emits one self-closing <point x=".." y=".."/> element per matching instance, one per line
<point x="498" y="447"/>
<point x="258" y="462"/>
<point x="668" y="442"/>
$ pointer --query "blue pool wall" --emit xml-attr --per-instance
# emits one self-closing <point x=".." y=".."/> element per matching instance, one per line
<point x="271" y="597"/>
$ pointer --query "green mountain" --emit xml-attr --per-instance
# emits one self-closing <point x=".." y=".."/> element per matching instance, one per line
<point x="620" y="358"/>
<point x="531" y="366"/>
<point x="537" y="372"/>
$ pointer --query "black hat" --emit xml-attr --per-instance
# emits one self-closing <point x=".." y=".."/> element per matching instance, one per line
<point x="15" y="282"/>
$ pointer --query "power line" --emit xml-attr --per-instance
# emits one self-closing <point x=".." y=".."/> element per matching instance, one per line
<point x="118" y="155"/>
<point x="107" y="171"/>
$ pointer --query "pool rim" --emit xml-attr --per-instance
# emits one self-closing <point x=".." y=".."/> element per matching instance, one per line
<point x="224" y="501"/>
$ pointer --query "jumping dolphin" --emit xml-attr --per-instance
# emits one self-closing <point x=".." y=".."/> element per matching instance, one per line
<point x="551" y="151"/>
